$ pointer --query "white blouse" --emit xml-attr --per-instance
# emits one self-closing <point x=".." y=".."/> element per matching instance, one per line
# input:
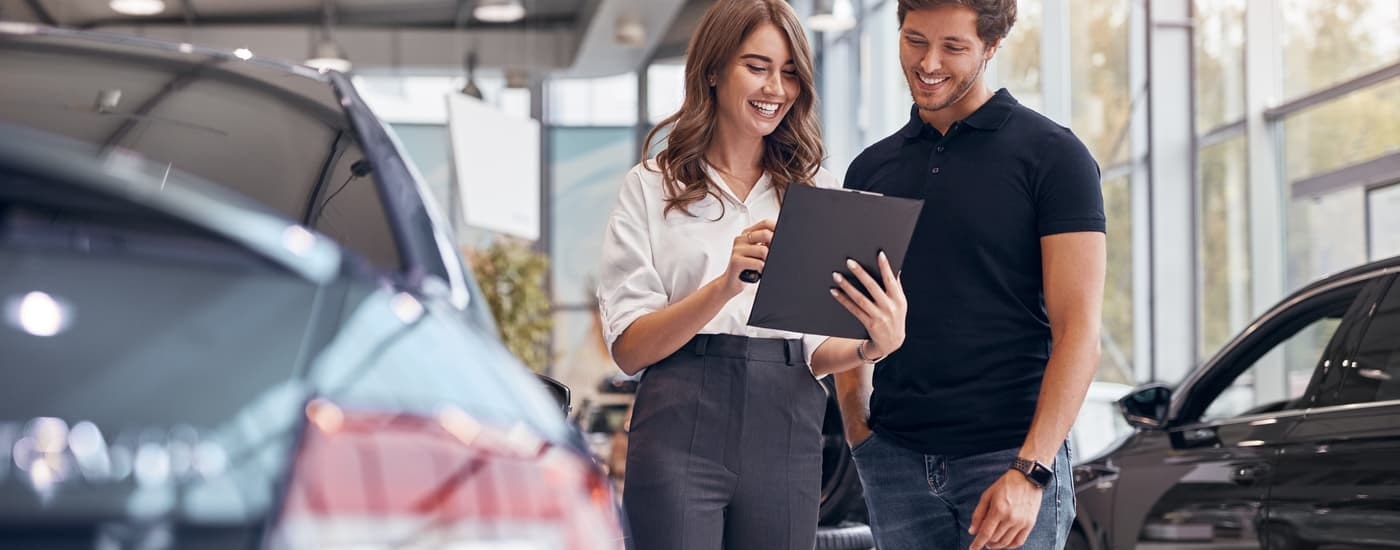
<point x="651" y="260"/>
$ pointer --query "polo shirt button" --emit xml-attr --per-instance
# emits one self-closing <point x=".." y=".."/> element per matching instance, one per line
<point x="935" y="170"/>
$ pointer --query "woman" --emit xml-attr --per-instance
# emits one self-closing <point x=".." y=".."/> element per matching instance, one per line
<point x="725" y="438"/>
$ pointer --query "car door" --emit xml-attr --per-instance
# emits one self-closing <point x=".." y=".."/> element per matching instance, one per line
<point x="1202" y="482"/>
<point x="1337" y="482"/>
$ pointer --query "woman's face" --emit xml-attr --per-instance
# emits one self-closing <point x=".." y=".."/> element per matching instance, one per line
<point x="756" y="88"/>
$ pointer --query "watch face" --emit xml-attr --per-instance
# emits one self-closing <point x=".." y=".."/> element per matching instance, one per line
<point x="1040" y="475"/>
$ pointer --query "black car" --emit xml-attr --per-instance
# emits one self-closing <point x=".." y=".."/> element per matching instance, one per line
<point x="1288" y="439"/>
<point x="232" y="319"/>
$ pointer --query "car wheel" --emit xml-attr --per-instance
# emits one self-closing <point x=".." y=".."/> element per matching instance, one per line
<point x="1077" y="541"/>
<point x="842" y="497"/>
<point x="847" y="536"/>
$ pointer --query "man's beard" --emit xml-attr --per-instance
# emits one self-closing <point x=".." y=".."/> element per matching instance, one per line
<point x="960" y="92"/>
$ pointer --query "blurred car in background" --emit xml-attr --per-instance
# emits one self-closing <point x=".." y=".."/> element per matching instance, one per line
<point x="233" y="319"/>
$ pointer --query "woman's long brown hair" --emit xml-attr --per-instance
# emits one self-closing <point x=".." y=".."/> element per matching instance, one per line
<point x="792" y="154"/>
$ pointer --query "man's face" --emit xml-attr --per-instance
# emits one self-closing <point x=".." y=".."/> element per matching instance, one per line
<point x="942" y="56"/>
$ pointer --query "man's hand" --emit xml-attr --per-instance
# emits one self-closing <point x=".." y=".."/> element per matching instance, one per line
<point x="1006" y="513"/>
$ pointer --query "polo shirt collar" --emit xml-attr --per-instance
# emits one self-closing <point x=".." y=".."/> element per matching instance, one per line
<point x="992" y="115"/>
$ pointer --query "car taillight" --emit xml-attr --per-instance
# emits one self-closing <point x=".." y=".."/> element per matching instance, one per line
<point x="388" y="480"/>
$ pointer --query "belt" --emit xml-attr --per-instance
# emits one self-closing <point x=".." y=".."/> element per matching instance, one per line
<point x="743" y="347"/>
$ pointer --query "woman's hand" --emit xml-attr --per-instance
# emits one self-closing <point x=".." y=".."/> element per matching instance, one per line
<point x="882" y="314"/>
<point x="750" y="252"/>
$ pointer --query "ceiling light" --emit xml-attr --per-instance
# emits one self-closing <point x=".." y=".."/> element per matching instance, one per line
<point x="137" y="7"/>
<point x="832" y="16"/>
<point x="499" y="11"/>
<point x="630" y="32"/>
<point x="328" y="57"/>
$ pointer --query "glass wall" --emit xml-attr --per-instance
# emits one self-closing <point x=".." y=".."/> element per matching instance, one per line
<point x="1116" y="364"/>
<point x="1359" y="126"/>
<point x="1325" y="224"/>
<point x="1018" y="67"/>
<point x="1383" y="221"/>
<point x="1100" y="115"/>
<point x="1327" y="42"/>
<point x="592" y="143"/>
<point x="1100" y="94"/>
<point x="1222" y="247"/>
<point x="1219" y="63"/>
<point x="1338" y="218"/>
<point x="1326" y="234"/>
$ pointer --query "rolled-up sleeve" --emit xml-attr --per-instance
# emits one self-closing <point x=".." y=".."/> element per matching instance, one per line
<point x="628" y="284"/>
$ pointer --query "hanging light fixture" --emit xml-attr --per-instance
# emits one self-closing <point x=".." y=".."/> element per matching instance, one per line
<point x="499" y="11"/>
<point x="832" y="16"/>
<point x="470" y="88"/>
<point x="327" y="55"/>
<point x="137" y="7"/>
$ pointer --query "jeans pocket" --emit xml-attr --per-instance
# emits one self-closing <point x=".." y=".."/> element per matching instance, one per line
<point x="863" y="444"/>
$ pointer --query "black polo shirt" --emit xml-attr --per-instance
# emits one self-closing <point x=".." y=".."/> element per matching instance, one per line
<point x="967" y="378"/>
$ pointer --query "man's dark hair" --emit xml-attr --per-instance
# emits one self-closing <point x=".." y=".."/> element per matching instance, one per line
<point x="994" y="17"/>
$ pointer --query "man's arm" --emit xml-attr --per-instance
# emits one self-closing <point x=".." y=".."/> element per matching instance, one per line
<point x="853" y="388"/>
<point x="1073" y="269"/>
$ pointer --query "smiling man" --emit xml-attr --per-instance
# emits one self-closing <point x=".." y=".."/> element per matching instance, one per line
<point x="959" y="436"/>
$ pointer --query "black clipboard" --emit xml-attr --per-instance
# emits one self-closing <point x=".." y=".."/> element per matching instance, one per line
<point x="817" y="230"/>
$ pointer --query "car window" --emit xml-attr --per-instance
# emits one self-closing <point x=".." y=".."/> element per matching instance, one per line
<point x="1272" y="370"/>
<point x="1373" y="372"/>
<point x="1263" y="387"/>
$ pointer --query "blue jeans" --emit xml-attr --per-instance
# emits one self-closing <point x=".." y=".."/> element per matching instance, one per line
<point x="919" y="501"/>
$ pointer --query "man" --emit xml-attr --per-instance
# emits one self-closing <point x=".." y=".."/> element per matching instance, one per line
<point x="1004" y="278"/>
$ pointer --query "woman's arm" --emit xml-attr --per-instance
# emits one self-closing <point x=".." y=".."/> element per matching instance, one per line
<point x="658" y="334"/>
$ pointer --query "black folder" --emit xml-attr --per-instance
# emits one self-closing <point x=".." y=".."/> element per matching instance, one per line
<point x="817" y="230"/>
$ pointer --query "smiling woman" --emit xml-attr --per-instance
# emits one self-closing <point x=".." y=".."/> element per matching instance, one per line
<point x="704" y="470"/>
<point x="752" y="64"/>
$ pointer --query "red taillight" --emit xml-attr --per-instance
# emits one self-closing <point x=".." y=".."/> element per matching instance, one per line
<point x="370" y="480"/>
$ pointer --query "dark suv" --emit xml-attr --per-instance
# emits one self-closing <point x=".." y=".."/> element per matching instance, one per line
<point x="1288" y="439"/>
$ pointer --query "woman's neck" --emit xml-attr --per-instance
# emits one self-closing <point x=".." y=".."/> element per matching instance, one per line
<point x="735" y="155"/>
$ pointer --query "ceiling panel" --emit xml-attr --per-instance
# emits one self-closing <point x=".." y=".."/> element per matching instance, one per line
<point x="428" y="13"/>
<point x="578" y="37"/>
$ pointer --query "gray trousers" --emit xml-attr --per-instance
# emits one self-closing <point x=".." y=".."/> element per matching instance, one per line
<point x="725" y="448"/>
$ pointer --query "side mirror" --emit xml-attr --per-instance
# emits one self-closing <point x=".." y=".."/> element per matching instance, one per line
<point x="558" y="391"/>
<point x="1146" y="407"/>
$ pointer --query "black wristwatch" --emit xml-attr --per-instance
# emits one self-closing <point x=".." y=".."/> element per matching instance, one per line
<point x="1039" y="474"/>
